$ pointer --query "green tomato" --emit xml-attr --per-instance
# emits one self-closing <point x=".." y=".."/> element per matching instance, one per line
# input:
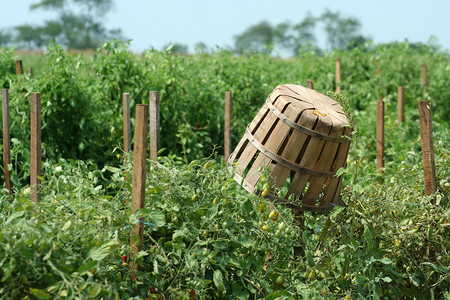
<point x="273" y="215"/>
<point x="225" y="225"/>
<point x="280" y="281"/>
<point x="266" y="227"/>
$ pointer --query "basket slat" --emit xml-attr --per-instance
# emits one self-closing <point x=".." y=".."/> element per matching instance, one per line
<point x="273" y="144"/>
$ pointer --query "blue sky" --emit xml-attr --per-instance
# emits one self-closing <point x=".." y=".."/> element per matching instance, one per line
<point x="155" y="23"/>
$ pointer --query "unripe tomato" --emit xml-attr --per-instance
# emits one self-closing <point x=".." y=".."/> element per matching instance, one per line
<point x="312" y="275"/>
<point x="281" y="226"/>
<point x="265" y="192"/>
<point x="280" y="281"/>
<point x="208" y="165"/>
<point x="225" y="225"/>
<point x="397" y="243"/>
<point x="263" y="178"/>
<point x="273" y="215"/>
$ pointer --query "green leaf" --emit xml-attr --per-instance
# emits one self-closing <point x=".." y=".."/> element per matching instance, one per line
<point x="155" y="217"/>
<point x="357" y="189"/>
<point x="245" y="240"/>
<point x="212" y="211"/>
<point x="246" y="207"/>
<point x="112" y="169"/>
<point x="155" y="267"/>
<point x="238" y="292"/>
<point x="133" y="219"/>
<point x="14" y="216"/>
<point x="40" y="294"/>
<point x="310" y="258"/>
<point x="368" y="236"/>
<point x="95" y="290"/>
<point x="387" y="279"/>
<point x="103" y="250"/>
<point x="180" y="234"/>
<point x="341" y="171"/>
<point x="218" y="280"/>
<point x="66" y="225"/>
<point x="8" y="268"/>
<point x="386" y="261"/>
<point x="279" y="295"/>
<point x="191" y="262"/>
<point x="83" y="269"/>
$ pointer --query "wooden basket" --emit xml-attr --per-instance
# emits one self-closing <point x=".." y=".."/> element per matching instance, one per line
<point x="299" y="138"/>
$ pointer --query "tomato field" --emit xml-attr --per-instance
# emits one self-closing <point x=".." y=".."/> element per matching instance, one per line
<point x="205" y="237"/>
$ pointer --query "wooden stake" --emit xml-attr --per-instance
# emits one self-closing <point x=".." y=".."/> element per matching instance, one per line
<point x="227" y="134"/>
<point x="154" y="124"/>
<point x="424" y="80"/>
<point x="378" y="67"/>
<point x="19" y="67"/>
<point x="338" y="75"/>
<point x="310" y="84"/>
<point x="6" y="140"/>
<point x="400" y="105"/>
<point x="35" y="155"/>
<point x="30" y="70"/>
<point x="126" y="123"/>
<point x="380" y="134"/>
<point x="424" y="75"/>
<point x="426" y="134"/>
<point x="139" y="173"/>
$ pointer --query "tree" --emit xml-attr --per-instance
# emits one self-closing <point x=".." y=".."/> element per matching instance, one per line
<point x="259" y="37"/>
<point x="176" y="48"/>
<point x="74" y="29"/>
<point x="5" y="38"/>
<point x="341" y="31"/>
<point x="293" y="37"/>
<point x="201" y="47"/>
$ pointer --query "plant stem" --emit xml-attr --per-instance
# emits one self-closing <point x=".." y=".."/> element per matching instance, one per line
<point x="355" y="180"/>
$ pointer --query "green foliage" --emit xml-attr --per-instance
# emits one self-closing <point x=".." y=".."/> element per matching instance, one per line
<point x="207" y="236"/>
<point x="6" y="66"/>
<point x="203" y="234"/>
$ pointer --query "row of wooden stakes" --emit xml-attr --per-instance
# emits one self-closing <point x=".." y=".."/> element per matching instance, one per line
<point x="424" y="114"/>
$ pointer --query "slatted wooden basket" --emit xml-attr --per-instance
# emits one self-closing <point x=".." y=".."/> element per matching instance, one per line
<point x="298" y="136"/>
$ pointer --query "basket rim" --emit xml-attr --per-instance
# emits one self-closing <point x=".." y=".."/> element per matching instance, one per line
<point x="303" y="129"/>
